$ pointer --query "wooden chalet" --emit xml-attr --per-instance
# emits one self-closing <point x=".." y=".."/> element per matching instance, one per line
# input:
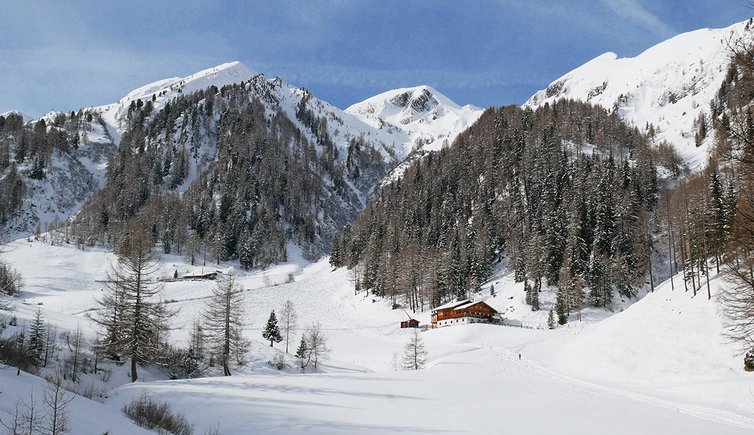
<point x="201" y="276"/>
<point x="410" y="323"/>
<point x="463" y="312"/>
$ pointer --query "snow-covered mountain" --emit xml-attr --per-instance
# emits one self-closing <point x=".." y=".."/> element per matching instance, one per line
<point x="162" y="91"/>
<point x="421" y="116"/>
<point x="402" y="119"/>
<point x="394" y="123"/>
<point x="668" y="85"/>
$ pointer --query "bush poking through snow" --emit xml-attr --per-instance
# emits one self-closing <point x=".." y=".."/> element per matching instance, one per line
<point x="13" y="353"/>
<point x="11" y="282"/>
<point x="156" y="415"/>
<point x="278" y="362"/>
<point x="749" y="360"/>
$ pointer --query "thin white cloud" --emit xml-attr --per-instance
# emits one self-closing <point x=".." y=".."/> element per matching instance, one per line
<point x="299" y="74"/>
<point x="633" y="10"/>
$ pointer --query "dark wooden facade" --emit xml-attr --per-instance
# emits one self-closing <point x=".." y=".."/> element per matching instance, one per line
<point x="463" y="312"/>
<point x="411" y="323"/>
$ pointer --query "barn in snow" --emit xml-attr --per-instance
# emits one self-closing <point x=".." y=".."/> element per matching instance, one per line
<point x="463" y="312"/>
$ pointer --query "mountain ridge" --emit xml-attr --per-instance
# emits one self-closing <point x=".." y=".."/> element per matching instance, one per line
<point x="668" y="86"/>
<point x="107" y="123"/>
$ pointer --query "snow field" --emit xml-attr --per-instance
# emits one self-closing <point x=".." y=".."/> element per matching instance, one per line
<point x="659" y="366"/>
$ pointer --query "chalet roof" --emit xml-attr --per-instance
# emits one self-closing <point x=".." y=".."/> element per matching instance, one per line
<point x="452" y="304"/>
<point x="466" y="305"/>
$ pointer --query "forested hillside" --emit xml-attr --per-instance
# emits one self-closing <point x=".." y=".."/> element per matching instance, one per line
<point x="227" y="174"/>
<point x="48" y="166"/>
<point x="564" y="195"/>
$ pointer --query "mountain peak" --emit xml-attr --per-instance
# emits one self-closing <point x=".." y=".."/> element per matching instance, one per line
<point x="428" y="118"/>
<point x="162" y="91"/>
<point x="668" y="85"/>
<point x="417" y="98"/>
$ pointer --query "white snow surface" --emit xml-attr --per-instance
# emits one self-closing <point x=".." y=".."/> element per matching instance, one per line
<point x="668" y="85"/>
<point x="87" y="416"/>
<point x="656" y="366"/>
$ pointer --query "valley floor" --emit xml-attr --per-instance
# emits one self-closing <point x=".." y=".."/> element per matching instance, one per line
<point x="661" y="366"/>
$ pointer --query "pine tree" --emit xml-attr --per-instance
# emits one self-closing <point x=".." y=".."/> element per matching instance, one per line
<point x="534" y="291"/>
<point x="224" y="322"/>
<point x="561" y="308"/>
<point x="132" y="319"/>
<point x="302" y="353"/>
<point x="272" y="331"/>
<point x="197" y="339"/>
<point x="246" y="256"/>
<point x="37" y="171"/>
<point x="550" y="320"/>
<point x="37" y="337"/>
<point x="414" y="354"/>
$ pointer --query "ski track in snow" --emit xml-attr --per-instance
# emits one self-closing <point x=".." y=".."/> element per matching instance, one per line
<point x="529" y="368"/>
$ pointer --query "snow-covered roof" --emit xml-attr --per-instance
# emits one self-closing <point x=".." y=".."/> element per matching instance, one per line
<point x="466" y="305"/>
<point x="472" y="303"/>
<point x="452" y="304"/>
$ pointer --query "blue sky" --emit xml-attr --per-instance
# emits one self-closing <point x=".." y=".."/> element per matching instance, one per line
<point x="64" y="55"/>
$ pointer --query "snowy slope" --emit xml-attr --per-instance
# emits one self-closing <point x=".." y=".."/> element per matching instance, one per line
<point x="660" y="366"/>
<point x="87" y="416"/>
<point x="70" y="178"/>
<point x="667" y="86"/>
<point x="660" y="344"/>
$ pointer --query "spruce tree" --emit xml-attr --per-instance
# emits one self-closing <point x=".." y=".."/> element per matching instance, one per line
<point x="535" y="295"/>
<point x="37" y="337"/>
<point x="272" y="331"/>
<point x="302" y="353"/>
<point x="561" y="307"/>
